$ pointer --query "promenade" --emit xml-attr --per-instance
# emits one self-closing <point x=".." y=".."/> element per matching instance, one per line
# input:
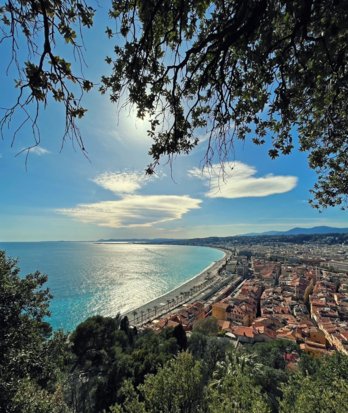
<point x="191" y="290"/>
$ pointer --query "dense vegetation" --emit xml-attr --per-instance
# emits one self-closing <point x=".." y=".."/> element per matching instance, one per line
<point x="106" y="365"/>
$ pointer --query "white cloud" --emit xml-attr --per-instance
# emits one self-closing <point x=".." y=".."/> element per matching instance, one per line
<point x="121" y="182"/>
<point x="39" y="151"/>
<point x="238" y="180"/>
<point x="133" y="210"/>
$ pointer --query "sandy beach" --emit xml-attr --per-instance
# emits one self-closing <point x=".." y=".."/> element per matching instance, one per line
<point x="184" y="293"/>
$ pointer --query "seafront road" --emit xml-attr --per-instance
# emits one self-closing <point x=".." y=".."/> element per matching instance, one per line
<point x="192" y="290"/>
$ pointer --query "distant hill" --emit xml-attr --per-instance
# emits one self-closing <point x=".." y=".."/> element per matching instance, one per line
<point x="320" y="234"/>
<point x="303" y="231"/>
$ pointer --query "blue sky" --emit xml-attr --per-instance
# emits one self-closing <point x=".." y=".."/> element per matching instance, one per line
<point x="61" y="195"/>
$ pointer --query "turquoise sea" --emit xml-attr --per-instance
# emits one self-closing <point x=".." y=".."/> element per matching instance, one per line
<point x="88" y="278"/>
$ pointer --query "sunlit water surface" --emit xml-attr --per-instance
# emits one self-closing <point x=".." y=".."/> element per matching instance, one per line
<point x="87" y="278"/>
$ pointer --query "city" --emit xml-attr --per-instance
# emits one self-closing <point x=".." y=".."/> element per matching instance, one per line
<point x="295" y="292"/>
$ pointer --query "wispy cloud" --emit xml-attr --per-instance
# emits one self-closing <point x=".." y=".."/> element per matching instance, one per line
<point x="132" y="210"/>
<point x="239" y="180"/>
<point x="121" y="182"/>
<point x="39" y="151"/>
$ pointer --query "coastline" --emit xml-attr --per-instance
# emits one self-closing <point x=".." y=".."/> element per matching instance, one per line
<point x="70" y="305"/>
<point x="179" y="295"/>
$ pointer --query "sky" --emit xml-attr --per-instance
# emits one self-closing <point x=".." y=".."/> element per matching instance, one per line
<point x="59" y="194"/>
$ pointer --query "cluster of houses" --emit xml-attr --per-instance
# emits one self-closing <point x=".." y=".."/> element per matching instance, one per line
<point x="329" y="308"/>
<point x="298" y="303"/>
<point x="189" y="313"/>
<point x="274" y="305"/>
<point x="186" y="316"/>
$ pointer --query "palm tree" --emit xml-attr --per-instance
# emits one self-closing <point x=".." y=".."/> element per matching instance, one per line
<point x="235" y="362"/>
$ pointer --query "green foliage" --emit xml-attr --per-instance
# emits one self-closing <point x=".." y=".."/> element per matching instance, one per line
<point x="267" y="70"/>
<point x="271" y="353"/>
<point x="308" y="364"/>
<point x="207" y="326"/>
<point x="108" y="355"/>
<point x="30" y="360"/>
<point x="271" y="374"/>
<point x="305" y="395"/>
<point x="95" y="338"/>
<point x="198" y="344"/>
<point x="176" y="388"/>
<point x="101" y="348"/>
<point x="152" y="351"/>
<point x="237" y="380"/>
<point x="321" y="386"/>
<point x="209" y="351"/>
<point x="30" y="398"/>
<point x="40" y="25"/>
<point x="233" y="388"/>
<point x="237" y="393"/>
<point x="131" y="403"/>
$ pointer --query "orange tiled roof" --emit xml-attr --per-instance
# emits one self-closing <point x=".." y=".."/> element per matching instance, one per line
<point x="243" y="331"/>
<point x="221" y="305"/>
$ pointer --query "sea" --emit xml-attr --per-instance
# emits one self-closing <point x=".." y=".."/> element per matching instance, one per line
<point x="87" y="278"/>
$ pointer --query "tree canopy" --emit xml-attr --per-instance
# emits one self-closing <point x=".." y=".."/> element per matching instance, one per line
<point x="323" y="389"/>
<point x="259" y="69"/>
<point x="273" y="71"/>
<point x="40" y="25"/>
<point x="31" y="360"/>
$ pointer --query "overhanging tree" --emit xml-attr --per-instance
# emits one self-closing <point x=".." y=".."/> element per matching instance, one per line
<point x="273" y="71"/>
<point x="41" y="74"/>
<point x="268" y="70"/>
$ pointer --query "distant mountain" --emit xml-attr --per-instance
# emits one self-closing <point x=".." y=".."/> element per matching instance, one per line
<point x="303" y="231"/>
<point x="292" y="235"/>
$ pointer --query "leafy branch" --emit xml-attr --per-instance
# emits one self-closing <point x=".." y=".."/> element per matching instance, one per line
<point x="45" y="75"/>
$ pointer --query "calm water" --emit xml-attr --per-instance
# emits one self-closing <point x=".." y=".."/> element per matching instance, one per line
<point x="87" y="279"/>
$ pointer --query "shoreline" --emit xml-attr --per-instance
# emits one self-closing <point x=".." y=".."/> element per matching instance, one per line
<point x="179" y="295"/>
